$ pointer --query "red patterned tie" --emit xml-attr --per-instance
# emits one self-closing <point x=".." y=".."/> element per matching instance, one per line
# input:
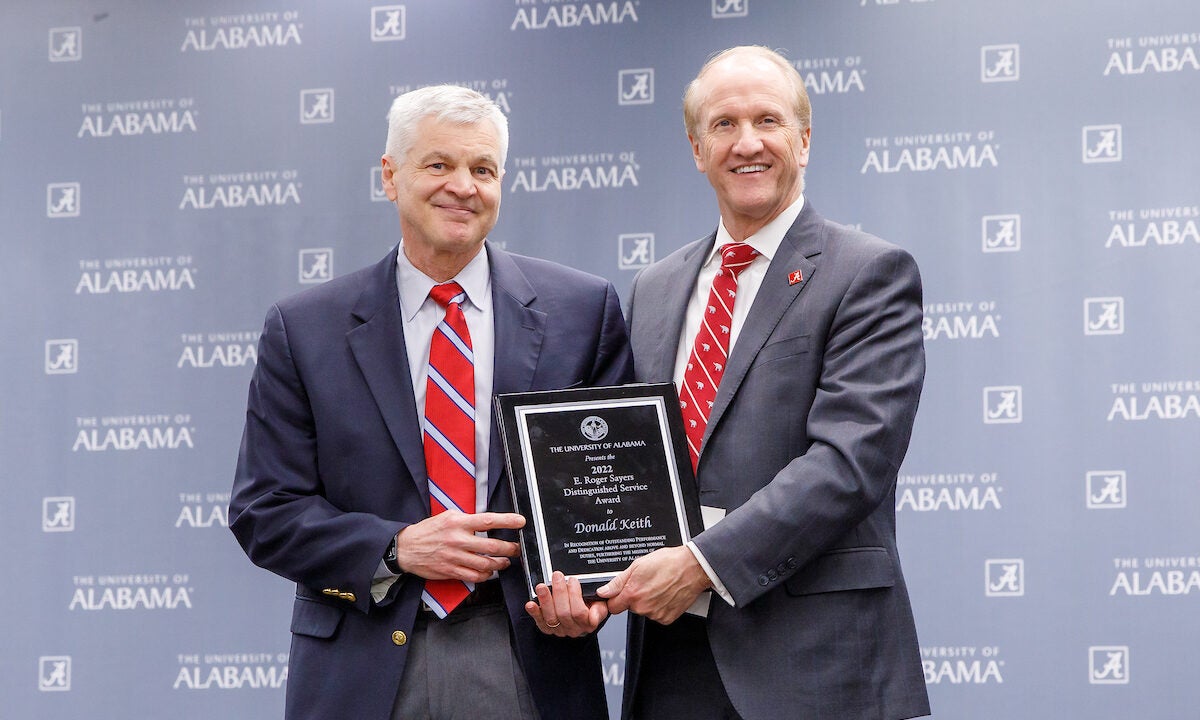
<point x="710" y="350"/>
<point x="450" y="430"/>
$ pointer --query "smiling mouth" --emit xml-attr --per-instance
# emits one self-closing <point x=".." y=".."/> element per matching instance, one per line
<point x="750" y="169"/>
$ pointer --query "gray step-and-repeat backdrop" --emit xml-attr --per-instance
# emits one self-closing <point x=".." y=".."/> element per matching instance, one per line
<point x="168" y="170"/>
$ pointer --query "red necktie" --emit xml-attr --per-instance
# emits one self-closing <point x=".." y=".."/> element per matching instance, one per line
<point x="450" y="430"/>
<point x="710" y="350"/>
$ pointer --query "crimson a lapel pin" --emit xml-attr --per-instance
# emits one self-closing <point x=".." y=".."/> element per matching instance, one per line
<point x="795" y="277"/>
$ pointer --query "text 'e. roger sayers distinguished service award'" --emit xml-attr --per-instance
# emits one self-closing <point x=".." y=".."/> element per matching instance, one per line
<point x="601" y="475"/>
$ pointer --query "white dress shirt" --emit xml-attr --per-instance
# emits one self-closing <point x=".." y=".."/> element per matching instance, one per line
<point x="421" y="315"/>
<point x="766" y="241"/>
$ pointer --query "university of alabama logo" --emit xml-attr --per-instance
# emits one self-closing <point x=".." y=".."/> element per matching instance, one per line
<point x="1001" y="233"/>
<point x="387" y="23"/>
<point x="1108" y="665"/>
<point x="722" y="9"/>
<point x="1104" y="316"/>
<point x="54" y="673"/>
<point x="635" y="87"/>
<point x="1105" y="489"/>
<point x="1101" y="143"/>
<point x="316" y="106"/>
<point x="593" y="428"/>
<point x="1000" y="63"/>
<point x="635" y="250"/>
<point x="58" y="514"/>
<point x="62" y="357"/>
<point x="1002" y="404"/>
<point x="62" y="200"/>
<point x="1005" y="578"/>
<point x="316" y="265"/>
<point x="66" y="44"/>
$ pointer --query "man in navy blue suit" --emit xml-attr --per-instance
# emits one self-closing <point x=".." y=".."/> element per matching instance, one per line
<point x="332" y="488"/>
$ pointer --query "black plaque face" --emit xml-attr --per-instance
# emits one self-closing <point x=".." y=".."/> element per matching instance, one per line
<point x="601" y="475"/>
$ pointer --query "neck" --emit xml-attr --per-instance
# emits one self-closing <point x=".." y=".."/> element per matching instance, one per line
<point x="440" y="266"/>
<point x="741" y="225"/>
<point x="740" y="231"/>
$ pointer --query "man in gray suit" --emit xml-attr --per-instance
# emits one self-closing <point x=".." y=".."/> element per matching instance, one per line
<point x="813" y="343"/>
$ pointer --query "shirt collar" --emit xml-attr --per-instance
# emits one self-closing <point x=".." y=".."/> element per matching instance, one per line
<point x="414" y="285"/>
<point x="767" y="240"/>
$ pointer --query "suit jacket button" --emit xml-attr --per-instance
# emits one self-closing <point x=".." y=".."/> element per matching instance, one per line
<point x="763" y="580"/>
<point x="791" y="563"/>
<point x="399" y="638"/>
<point x="771" y="574"/>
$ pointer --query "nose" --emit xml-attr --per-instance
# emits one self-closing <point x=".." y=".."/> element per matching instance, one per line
<point x="748" y="141"/>
<point x="461" y="182"/>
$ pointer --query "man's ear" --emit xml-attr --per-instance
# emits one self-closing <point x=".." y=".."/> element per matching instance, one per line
<point x="696" y="152"/>
<point x="389" y="179"/>
<point x="802" y="155"/>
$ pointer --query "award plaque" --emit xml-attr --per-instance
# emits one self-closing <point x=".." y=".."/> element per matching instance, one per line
<point x="602" y="476"/>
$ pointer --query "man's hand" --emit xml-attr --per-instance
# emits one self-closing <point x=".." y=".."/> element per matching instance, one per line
<point x="659" y="586"/>
<point x="445" y="546"/>
<point x="560" y="609"/>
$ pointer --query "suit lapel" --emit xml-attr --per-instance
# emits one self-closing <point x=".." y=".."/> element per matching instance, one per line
<point x="665" y="308"/>
<point x="379" y="349"/>
<point x="776" y="294"/>
<point x="520" y="331"/>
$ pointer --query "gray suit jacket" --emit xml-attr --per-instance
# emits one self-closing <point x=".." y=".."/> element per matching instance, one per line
<point x="810" y="424"/>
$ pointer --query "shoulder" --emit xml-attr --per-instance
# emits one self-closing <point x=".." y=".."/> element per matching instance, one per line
<point x="331" y="303"/>
<point x="854" y="247"/>
<point x="668" y="268"/>
<point x="681" y="255"/>
<point x="549" y="276"/>
<point x="330" y="292"/>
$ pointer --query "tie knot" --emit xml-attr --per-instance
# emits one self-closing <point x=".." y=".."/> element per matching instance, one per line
<point x="446" y="293"/>
<point x="736" y="257"/>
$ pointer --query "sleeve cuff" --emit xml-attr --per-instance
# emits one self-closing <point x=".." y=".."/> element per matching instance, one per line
<point x="382" y="582"/>
<point x="718" y="586"/>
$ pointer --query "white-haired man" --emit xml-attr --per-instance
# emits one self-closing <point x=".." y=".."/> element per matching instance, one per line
<point x="370" y="472"/>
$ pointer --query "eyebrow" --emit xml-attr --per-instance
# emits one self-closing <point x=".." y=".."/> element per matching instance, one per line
<point x="442" y="156"/>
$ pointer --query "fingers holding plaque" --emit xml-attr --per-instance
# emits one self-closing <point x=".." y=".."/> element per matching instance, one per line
<point x="601" y="474"/>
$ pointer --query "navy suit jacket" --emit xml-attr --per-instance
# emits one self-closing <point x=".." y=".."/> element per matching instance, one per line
<point x="331" y="468"/>
<point x="806" y="435"/>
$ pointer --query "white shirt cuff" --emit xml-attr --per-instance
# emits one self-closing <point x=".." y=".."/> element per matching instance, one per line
<point x="718" y="586"/>
<point x="382" y="582"/>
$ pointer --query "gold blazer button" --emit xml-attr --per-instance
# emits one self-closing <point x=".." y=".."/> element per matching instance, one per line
<point x="399" y="637"/>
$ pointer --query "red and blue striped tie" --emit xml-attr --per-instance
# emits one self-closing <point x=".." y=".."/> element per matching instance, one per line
<point x="450" y="430"/>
